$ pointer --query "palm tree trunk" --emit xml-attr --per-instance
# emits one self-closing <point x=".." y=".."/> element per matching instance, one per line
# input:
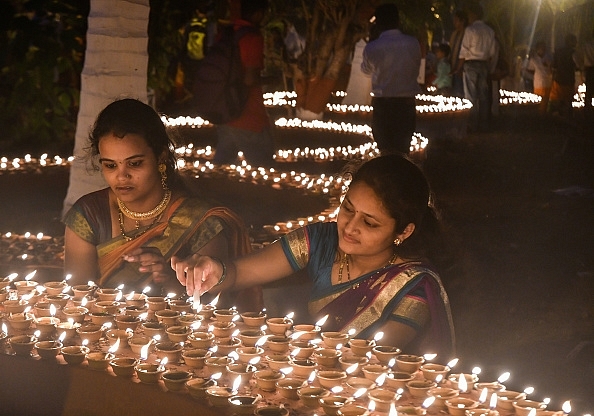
<point x="116" y="62"/>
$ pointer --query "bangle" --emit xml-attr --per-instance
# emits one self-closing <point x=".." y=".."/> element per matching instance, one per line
<point x="224" y="275"/>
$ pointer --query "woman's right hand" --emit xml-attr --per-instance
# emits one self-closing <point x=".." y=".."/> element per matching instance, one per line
<point x="197" y="273"/>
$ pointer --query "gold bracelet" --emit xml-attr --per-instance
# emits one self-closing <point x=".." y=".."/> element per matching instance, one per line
<point x="224" y="275"/>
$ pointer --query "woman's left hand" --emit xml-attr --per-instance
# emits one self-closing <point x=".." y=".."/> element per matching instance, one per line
<point x="150" y="260"/>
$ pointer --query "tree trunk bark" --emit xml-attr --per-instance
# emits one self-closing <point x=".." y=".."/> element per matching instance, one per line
<point x="116" y="62"/>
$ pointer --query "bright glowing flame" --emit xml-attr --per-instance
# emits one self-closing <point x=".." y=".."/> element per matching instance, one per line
<point x="115" y="346"/>
<point x="52" y="310"/>
<point x="322" y="321"/>
<point x="30" y="275"/>
<point x="379" y="335"/>
<point x="428" y="402"/>
<point x="493" y="402"/>
<point x="236" y="384"/>
<point x="566" y="407"/>
<point x="430" y="356"/>
<point x="453" y="362"/>
<point x="483" y="395"/>
<point x="504" y="377"/>
<point x="462" y="384"/>
<point x="215" y="300"/>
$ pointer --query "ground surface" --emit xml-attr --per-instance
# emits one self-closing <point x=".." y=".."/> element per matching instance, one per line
<point x="522" y="278"/>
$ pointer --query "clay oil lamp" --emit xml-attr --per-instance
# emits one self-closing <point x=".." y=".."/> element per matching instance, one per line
<point x="332" y="404"/>
<point x="331" y="378"/>
<point x="222" y="329"/>
<point x="192" y="320"/>
<point x="178" y="333"/>
<point x="60" y="300"/>
<point x="22" y="344"/>
<point x="373" y="371"/>
<point x="109" y="307"/>
<point x="434" y="372"/>
<point x="301" y="349"/>
<point x="352" y="410"/>
<point x="254" y="319"/>
<point x="214" y="365"/>
<point x="226" y="346"/>
<point x="334" y="339"/>
<point x="135" y="299"/>
<point x="83" y="301"/>
<point x="386" y="354"/>
<point x="20" y="321"/>
<point x="361" y="347"/>
<point x="310" y="395"/>
<point x="4" y="291"/>
<point x="75" y="354"/>
<point x="156" y="303"/>
<point x="6" y="281"/>
<point x="353" y="364"/>
<point x="241" y="371"/>
<point x="118" y="335"/>
<point x="398" y="379"/>
<point x="125" y="322"/>
<point x="207" y="311"/>
<point x="442" y="394"/>
<point x="279" y="326"/>
<point x="48" y="350"/>
<point x="137" y="342"/>
<point x="55" y="287"/>
<point x="457" y="406"/>
<point x="175" y="380"/>
<point x="15" y="306"/>
<point x="153" y="329"/>
<point x="278" y="361"/>
<point x="383" y="399"/>
<point x="226" y="315"/>
<point x="201" y="339"/>
<point x="27" y="285"/>
<point x="167" y="317"/>
<point x="303" y="368"/>
<point x="149" y="373"/>
<point x="90" y="332"/>
<point x="108" y="294"/>
<point x="278" y="343"/>
<point x="249" y="354"/>
<point x="305" y="332"/>
<point x="99" y="360"/>
<point x="288" y="387"/>
<point x="251" y="337"/>
<point x="83" y="290"/>
<point x="123" y="366"/>
<point x="197" y="387"/>
<point x="266" y="379"/>
<point x="76" y="313"/>
<point x="327" y="357"/>
<point x="271" y="410"/>
<point x="420" y="388"/>
<point x="408" y="363"/>
<point x="524" y="407"/>
<point x="170" y="350"/>
<point x="194" y="358"/>
<point x="244" y="404"/>
<point x="359" y="384"/>
<point x="180" y="305"/>
<point x="218" y="396"/>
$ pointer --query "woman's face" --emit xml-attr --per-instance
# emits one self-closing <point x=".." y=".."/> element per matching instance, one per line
<point x="129" y="167"/>
<point x="364" y="225"/>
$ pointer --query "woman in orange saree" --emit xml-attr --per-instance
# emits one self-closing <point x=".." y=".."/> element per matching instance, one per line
<point x="128" y="233"/>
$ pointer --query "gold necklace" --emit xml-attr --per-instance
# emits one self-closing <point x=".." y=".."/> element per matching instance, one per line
<point x="345" y="261"/>
<point x="136" y="228"/>
<point x="143" y="216"/>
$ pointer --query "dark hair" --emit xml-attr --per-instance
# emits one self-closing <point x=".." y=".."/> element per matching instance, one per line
<point x="405" y="193"/>
<point x="249" y="7"/>
<point x="462" y="15"/>
<point x="445" y="48"/>
<point x="387" y="16"/>
<point x="131" y="116"/>
<point x="475" y="8"/>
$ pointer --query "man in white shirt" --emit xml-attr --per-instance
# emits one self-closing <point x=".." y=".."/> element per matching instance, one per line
<point x="393" y="61"/>
<point x="477" y="58"/>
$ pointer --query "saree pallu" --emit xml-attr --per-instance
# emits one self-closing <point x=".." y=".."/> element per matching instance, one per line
<point x="178" y="229"/>
<point x="368" y="304"/>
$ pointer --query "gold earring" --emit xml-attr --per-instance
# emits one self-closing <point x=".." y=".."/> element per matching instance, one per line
<point x="163" y="171"/>
<point x="397" y="242"/>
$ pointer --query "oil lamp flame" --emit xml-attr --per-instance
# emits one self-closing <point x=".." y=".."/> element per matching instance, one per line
<point x="428" y="402"/>
<point x="12" y="276"/>
<point x="30" y="275"/>
<point x="146" y="289"/>
<point x="130" y="296"/>
<point x="312" y="377"/>
<point x="62" y="336"/>
<point x="261" y="341"/>
<point x="52" y="310"/>
<point x="493" y="402"/>
<point x="483" y="396"/>
<point x="476" y="370"/>
<point x="453" y="362"/>
<point x="351" y="332"/>
<point x="336" y="389"/>
<point x="566" y="407"/>
<point x="391" y="362"/>
<point x="84" y="301"/>
<point x="462" y="384"/>
<point x="236" y="384"/>
<point x="115" y="346"/>
<point x="215" y="300"/>
<point x="371" y="406"/>
<point x="378" y="335"/>
<point x="529" y="390"/>
<point x="286" y="370"/>
<point x="532" y="412"/>
<point x="163" y="364"/>
<point x="322" y="321"/>
<point x="429" y="356"/>
<point x="504" y="377"/>
<point x="352" y="368"/>
<point x="360" y="392"/>
<point x="4" y="329"/>
<point x="393" y="411"/>
<point x="290" y="315"/>
<point x="380" y="379"/>
<point x="144" y="351"/>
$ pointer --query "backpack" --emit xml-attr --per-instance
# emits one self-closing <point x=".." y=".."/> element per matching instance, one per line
<point x="196" y="39"/>
<point x="219" y="91"/>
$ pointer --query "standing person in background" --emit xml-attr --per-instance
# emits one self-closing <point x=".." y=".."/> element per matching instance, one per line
<point x="563" y="87"/>
<point x="585" y="62"/>
<point x="477" y="53"/>
<point x="443" y="79"/>
<point x="393" y="61"/>
<point x="460" y="23"/>
<point x="540" y="65"/>
<point x="250" y="132"/>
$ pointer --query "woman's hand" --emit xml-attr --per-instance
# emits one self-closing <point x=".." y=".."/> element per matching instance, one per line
<point x="197" y="273"/>
<point x="150" y="260"/>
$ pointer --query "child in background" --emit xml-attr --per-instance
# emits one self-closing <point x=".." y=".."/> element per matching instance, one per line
<point x="443" y="79"/>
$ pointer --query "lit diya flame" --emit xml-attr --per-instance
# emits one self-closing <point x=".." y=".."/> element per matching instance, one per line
<point x="371" y="407"/>
<point x="546" y="401"/>
<point x="462" y="384"/>
<point x="566" y="407"/>
<point x="393" y="411"/>
<point x="286" y="370"/>
<point x="67" y="277"/>
<point x="30" y="275"/>
<point x="289" y="316"/>
<point x="65" y="290"/>
<point x="261" y="341"/>
<point x="4" y="329"/>
<point x="195" y="326"/>
<point x="483" y="396"/>
<point x="196" y="305"/>
<point x="130" y="296"/>
<point x="146" y="290"/>
<point x="380" y="380"/>
<point x="39" y="236"/>
<point x="476" y="370"/>
<point x="529" y="390"/>
<point x="322" y="321"/>
<point x="493" y="401"/>
<point x="234" y="355"/>
<point x="162" y="364"/>
<point x="62" y="336"/>
<point x="391" y="362"/>
<point x="215" y="300"/>
<point x="360" y="392"/>
<point x="106" y="326"/>
<point x="37" y="333"/>
<point x="453" y="362"/>
<point x="90" y="283"/>
<point x="428" y="402"/>
<point x="312" y="377"/>
<point x="52" y="310"/>
<point x="84" y="301"/>
<point x="120" y="287"/>
<point x="84" y="342"/>
<point x="336" y="389"/>
<point x="504" y="377"/>
<point x="378" y="335"/>
<point x="115" y="346"/>
<point x="236" y="384"/>
<point x="352" y="368"/>
<point x="216" y="376"/>
<point x="254" y="361"/>
<point x="532" y="412"/>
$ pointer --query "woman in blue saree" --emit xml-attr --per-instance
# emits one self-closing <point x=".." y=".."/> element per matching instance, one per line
<point x="370" y="269"/>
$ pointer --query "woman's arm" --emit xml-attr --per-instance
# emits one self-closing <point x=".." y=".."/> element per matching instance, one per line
<point x="396" y="334"/>
<point x="80" y="259"/>
<point x="200" y="273"/>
